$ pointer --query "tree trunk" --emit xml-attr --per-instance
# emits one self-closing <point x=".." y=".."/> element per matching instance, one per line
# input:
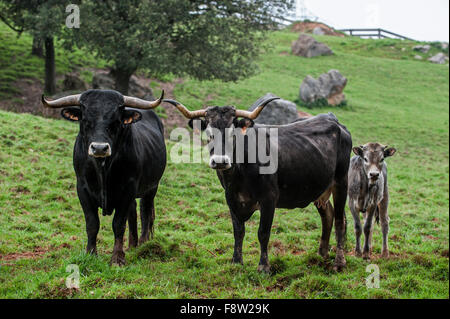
<point x="50" y="73"/>
<point x="122" y="77"/>
<point x="37" y="48"/>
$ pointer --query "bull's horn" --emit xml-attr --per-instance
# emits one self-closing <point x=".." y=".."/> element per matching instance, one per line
<point x="188" y="114"/>
<point x="254" y="114"/>
<point x="70" y="100"/>
<point x="142" y="104"/>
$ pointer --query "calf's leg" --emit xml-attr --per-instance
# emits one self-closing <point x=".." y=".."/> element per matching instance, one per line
<point x="358" y="228"/>
<point x="326" y="214"/>
<point x="265" y="225"/>
<point x="368" y="228"/>
<point x="132" y="226"/>
<point x="91" y="217"/>
<point x="384" y="220"/>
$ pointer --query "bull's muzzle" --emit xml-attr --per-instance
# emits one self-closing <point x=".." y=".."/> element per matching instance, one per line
<point x="220" y="162"/>
<point x="99" y="149"/>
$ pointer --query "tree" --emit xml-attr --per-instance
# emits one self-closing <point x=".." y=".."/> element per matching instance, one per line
<point x="43" y="19"/>
<point x="201" y="38"/>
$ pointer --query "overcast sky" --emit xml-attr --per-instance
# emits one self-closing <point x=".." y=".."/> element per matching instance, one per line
<point x="425" y="20"/>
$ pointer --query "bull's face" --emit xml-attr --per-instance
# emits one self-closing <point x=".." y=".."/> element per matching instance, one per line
<point x="102" y="118"/>
<point x="220" y="124"/>
<point x="373" y="155"/>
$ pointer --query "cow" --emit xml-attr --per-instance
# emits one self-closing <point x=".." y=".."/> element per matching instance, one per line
<point x="313" y="160"/>
<point x="119" y="155"/>
<point x="368" y="193"/>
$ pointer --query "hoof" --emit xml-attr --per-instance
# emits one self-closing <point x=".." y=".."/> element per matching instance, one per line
<point x="142" y="240"/>
<point x="366" y="256"/>
<point x="324" y="253"/>
<point x="118" y="259"/>
<point x="264" y="268"/>
<point x="358" y="253"/>
<point x="237" y="261"/>
<point x="385" y="254"/>
<point x="339" y="267"/>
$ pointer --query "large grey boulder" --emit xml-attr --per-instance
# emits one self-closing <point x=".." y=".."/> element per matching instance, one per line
<point x="439" y="58"/>
<point x="277" y="112"/>
<point x="328" y="86"/>
<point x="105" y="81"/>
<point x="318" y="31"/>
<point x="422" y="48"/>
<point x="308" y="47"/>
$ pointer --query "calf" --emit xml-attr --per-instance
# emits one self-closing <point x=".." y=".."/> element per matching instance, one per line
<point x="368" y="193"/>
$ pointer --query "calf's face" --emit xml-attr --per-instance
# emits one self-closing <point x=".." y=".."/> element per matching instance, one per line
<point x="373" y="155"/>
<point x="219" y="124"/>
<point x="102" y="118"/>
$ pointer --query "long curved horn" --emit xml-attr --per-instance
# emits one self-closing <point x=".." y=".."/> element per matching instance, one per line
<point x="142" y="104"/>
<point x="70" y="100"/>
<point x="188" y="114"/>
<point x="254" y="114"/>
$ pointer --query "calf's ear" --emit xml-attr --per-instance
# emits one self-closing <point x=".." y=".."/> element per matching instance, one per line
<point x="71" y="113"/>
<point x="358" y="150"/>
<point x="243" y="124"/>
<point x="202" y="125"/>
<point x="389" y="151"/>
<point x="129" y="117"/>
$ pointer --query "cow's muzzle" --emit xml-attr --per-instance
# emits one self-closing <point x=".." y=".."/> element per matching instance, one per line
<point x="220" y="162"/>
<point x="99" y="149"/>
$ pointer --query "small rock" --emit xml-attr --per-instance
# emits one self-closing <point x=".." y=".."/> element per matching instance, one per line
<point x="318" y="31"/>
<point x="422" y="48"/>
<point x="438" y="58"/>
<point x="72" y="82"/>
<point x="328" y="86"/>
<point x="277" y="112"/>
<point x="308" y="47"/>
<point x="444" y="45"/>
<point x="418" y="57"/>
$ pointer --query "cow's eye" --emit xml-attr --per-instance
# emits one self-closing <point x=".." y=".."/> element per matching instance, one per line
<point x="382" y="160"/>
<point x="365" y="159"/>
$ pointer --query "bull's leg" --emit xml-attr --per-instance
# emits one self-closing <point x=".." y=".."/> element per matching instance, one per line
<point x="339" y="198"/>
<point x="91" y="217"/>
<point x="132" y="226"/>
<point x="239" y="233"/>
<point x="358" y="228"/>
<point x="119" y="225"/>
<point x="368" y="228"/>
<point x="326" y="214"/>
<point x="384" y="220"/>
<point x="265" y="225"/>
<point x="147" y="216"/>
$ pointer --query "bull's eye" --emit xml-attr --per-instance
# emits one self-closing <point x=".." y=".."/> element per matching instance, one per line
<point x="382" y="160"/>
<point x="365" y="159"/>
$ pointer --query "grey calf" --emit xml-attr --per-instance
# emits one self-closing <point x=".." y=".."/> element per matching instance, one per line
<point x="368" y="193"/>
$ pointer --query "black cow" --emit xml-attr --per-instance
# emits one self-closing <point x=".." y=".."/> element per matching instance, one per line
<point x="313" y="161"/>
<point x="119" y="155"/>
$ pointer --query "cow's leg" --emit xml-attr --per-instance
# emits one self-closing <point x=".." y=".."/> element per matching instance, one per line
<point x="91" y="217"/>
<point x="147" y="216"/>
<point x="339" y="199"/>
<point x="265" y="225"/>
<point x="368" y="228"/>
<point x="119" y="225"/>
<point x="132" y="226"/>
<point x="358" y="228"/>
<point x="384" y="220"/>
<point x="326" y="214"/>
<point x="239" y="233"/>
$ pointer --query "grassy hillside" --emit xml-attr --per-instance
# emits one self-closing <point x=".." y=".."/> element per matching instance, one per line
<point x="400" y="102"/>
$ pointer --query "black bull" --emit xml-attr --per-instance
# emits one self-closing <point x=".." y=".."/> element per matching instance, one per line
<point x="119" y="155"/>
<point x="313" y="162"/>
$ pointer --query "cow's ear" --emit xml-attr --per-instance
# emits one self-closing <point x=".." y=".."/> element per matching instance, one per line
<point x="358" y="150"/>
<point x="71" y="113"/>
<point x="129" y="116"/>
<point x="202" y="123"/>
<point x="389" y="151"/>
<point x="243" y="124"/>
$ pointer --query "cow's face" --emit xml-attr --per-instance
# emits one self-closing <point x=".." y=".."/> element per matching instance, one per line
<point x="219" y="124"/>
<point x="373" y="155"/>
<point x="102" y="118"/>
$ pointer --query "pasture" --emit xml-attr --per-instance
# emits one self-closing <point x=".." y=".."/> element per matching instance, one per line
<point x="391" y="98"/>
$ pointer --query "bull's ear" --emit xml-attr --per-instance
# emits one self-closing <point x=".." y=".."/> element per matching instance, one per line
<point x="358" y="150"/>
<point x="389" y="151"/>
<point x="243" y="124"/>
<point x="71" y="113"/>
<point x="202" y="124"/>
<point x="129" y="117"/>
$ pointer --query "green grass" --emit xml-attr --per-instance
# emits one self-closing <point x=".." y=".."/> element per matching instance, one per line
<point x="400" y="102"/>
